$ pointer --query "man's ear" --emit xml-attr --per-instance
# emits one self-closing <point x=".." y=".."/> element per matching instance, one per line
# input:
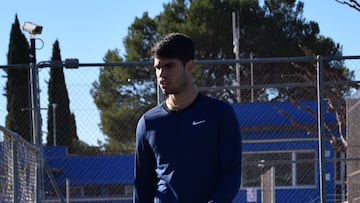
<point x="190" y="65"/>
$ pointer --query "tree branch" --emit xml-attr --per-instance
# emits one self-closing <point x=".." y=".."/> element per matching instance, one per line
<point x="351" y="3"/>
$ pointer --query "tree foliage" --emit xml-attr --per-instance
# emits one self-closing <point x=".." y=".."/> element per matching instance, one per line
<point x="17" y="85"/>
<point x="65" y="120"/>
<point x="122" y="93"/>
<point x="275" y="29"/>
<point x="141" y="36"/>
<point x="119" y="95"/>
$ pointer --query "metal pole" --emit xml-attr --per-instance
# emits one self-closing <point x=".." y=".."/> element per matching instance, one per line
<point x="36" y="120"/>
<point x="236" y="39"/>
<point x="160" y="94"/>
<point x="54" y="123"/>
<point x="252" y="78"/>
<point x="320" y="94"/>
<point x="16" y="197"/>
<point x="67" y="190"/>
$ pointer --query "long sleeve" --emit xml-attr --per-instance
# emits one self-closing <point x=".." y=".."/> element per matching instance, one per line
<point x="230" y="148"/>
<point x="145" y="177"/>
<point x="193" y="155"/>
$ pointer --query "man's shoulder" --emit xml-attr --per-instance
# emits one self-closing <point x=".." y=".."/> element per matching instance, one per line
<point x="155" y="112"/>
<point x="213" y="102"/>
<point x="222" y="109"/>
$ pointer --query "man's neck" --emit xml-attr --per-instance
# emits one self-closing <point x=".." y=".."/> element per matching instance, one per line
<point x="178" y="102"/>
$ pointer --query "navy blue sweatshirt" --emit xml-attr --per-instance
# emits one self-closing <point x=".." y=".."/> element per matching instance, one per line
<point x="188" y="156"/>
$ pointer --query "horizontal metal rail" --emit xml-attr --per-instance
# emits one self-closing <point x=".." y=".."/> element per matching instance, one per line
<point x="74" y="63"/>
<point x="18" y="137"/>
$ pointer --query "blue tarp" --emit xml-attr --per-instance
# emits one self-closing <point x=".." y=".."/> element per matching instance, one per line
<point x="105" y="170"/>
<point x="92" y="170"/>
<point x="268" y="113"/>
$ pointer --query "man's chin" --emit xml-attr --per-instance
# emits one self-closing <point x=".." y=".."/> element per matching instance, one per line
<point x="167" y="92"/>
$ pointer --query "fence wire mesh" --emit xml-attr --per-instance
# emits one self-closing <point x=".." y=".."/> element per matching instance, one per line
<point x="18" y="162"/>
<point x="276" y="103"/>
<point x="353" y="148"/>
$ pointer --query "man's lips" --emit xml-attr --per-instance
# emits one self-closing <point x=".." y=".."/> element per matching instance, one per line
<point x="163" y="83"/>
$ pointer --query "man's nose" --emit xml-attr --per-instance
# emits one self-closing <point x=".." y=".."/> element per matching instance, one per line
<point x="162" y="72"/>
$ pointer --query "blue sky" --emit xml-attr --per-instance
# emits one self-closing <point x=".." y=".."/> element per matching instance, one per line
<point x="87" y="29"/>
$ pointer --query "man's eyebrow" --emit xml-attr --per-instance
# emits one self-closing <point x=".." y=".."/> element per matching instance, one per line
<point x="164" y="65"/>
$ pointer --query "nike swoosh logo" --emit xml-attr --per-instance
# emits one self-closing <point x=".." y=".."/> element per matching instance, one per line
<point x="198" y="122"/>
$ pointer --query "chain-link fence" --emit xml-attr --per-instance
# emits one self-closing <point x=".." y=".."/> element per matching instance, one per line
<point x="18" y="163"/>
<point x="353" y="148"/>
<point x="275" y="99"/>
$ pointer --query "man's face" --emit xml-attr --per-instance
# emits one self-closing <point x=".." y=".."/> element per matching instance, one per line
<point x="171" y="74"/>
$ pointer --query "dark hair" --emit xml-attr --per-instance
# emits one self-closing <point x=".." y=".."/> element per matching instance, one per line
<point x="174" y="45"/>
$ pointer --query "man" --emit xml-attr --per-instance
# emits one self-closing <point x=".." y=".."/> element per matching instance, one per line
<point x="188" y="149"/>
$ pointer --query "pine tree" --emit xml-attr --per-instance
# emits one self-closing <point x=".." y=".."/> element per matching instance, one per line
<point x="58" y="94"/>
<point x="17" y="85"/>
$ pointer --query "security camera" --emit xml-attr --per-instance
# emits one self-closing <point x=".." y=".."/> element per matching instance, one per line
<point x="32" y="28"/>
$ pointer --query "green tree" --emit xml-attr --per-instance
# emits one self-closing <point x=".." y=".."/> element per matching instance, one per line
<point x="122" y="93"/>
<point x="141" y="36"/>
<point x="276" y="29"/>
<point x="120" y="97"/>
<point x="17" y="89"/>
<point x="173" y="17"/>
<point x="65" y="120"/>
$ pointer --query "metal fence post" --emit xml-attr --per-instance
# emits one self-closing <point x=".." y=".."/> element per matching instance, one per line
<point x="320" y="95"/>
<point x="268" y="185"/>
<point x="36" y="120"/>
<point x="15" y="176"/>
